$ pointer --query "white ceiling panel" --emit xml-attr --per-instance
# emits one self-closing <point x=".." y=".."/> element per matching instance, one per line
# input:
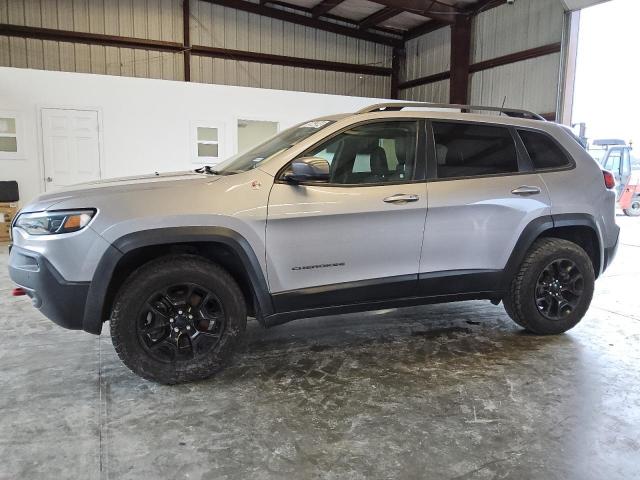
<point x="404" y="21"/>
<point x="356" y="9"/>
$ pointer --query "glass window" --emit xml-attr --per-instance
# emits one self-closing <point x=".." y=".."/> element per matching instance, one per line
<point x="613" y="161"/>
<point x="626" y="163"/>
<point x="278" y="144"/>
<point x="544" y="152"/>
<point x="468" y="150"/>
<point x="379" y="152"/>
<point x="8" y="135"/>
<point x="208" y="145"/>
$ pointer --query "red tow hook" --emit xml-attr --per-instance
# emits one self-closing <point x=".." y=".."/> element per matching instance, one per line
<point x="18" y="292"/>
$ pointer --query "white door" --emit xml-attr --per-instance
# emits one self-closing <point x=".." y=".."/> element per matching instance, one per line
<point x="71" y="147"/>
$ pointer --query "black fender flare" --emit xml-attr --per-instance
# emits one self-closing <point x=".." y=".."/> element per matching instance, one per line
<point x="94" y="309"/>
<point x="536" y="228"/>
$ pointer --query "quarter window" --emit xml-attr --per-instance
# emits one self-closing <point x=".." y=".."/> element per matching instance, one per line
<point x="544" y="152"/>
<point x="469" y="150"/>
<point x="380" y="152"/>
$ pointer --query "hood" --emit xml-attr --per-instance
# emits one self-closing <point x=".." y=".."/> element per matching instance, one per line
<point x="118" y="185"/>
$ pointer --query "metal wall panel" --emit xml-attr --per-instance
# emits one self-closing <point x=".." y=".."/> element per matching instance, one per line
<point x="496" y="32"/>
<point x="221" y="27"/>
<point x="211" y="25"/>
<point x="428" y="54"/>
<point x="531" y="84"/>
<point x="437" y="92"/>
<point x="513" y="28"/>
<point x="150" y="19"/>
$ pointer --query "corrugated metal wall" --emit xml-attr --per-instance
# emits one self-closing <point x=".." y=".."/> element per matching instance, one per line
<point x="496" y="32"/>
<point x="211" y="25"/>
<point x="427" y="55"/>
<point x="531" y="84"/>
<point x="514" y="28"/>
<point x="150" y="19"/>
<point x="216" y="26"/>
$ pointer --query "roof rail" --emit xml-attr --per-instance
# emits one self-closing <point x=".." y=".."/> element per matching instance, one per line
<point x="395" y="106"/>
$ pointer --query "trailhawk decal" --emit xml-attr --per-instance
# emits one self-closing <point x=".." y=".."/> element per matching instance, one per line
<point x="322" y="265"/>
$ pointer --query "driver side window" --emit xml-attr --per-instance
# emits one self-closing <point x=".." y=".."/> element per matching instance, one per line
<point x="374" y="153"/>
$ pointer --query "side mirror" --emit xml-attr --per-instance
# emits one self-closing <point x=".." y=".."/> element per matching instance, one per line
<point x="308" y="169"/>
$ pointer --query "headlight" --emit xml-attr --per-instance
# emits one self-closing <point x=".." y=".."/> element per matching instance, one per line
<point x="55" y="222"/>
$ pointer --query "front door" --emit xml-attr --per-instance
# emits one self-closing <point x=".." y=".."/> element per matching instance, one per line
<point x="71" y="147"/>
<point x="359" y="234"/>
<point x="480" y="200"/>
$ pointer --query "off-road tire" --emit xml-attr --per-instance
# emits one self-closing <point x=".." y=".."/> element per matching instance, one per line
<point x="520" y="302"/>
<point x="153" y="276"/>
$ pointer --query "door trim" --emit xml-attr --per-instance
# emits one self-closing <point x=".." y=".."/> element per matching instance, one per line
<point x="40" y="137"/>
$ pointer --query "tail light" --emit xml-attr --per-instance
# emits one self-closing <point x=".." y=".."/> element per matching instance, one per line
<point x="609" y="179"/>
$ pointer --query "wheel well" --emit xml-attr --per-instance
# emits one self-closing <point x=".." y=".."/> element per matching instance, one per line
<point x="217" y="252"/>
<point x="581" y="235"/>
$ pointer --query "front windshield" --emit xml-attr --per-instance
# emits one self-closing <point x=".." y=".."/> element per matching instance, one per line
<point x="263" y="152"/>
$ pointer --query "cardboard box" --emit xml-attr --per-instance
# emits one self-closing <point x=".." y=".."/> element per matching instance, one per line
<point x="8" y="212"/>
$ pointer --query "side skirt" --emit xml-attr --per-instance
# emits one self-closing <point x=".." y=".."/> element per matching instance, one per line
<point x="395" y="292"/>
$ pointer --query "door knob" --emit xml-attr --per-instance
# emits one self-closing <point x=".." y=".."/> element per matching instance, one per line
<point x="49" y="179"/>
<point x="526" y="190"/>
<point x="401" y="198"/>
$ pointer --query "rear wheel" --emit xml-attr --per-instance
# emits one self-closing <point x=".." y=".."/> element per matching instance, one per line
<point x="553" y="288"/>
<point x="177" y="319"/>
<point x="634" y="208"/>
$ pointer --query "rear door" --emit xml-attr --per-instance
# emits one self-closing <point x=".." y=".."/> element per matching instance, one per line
<point x="482" y="194"/>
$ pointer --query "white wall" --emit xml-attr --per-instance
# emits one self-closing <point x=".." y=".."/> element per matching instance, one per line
<point x="146" y="124"/>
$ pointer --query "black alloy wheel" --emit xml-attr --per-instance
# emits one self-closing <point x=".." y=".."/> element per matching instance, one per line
<point x="181" y="322"/>
<point x="559" y="288"/>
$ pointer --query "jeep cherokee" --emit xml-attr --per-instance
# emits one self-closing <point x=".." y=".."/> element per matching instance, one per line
<point x="387" y="207"/>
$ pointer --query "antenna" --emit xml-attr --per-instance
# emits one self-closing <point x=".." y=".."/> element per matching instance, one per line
<point x="502" y="107"/>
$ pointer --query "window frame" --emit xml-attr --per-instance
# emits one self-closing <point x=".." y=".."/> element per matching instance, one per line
<point x="524" y="163"/>
<point x="571" y="162"/>
<point x="197" y="160"/>
<point x="19" y="136"/>
<point x="419" y="175"/>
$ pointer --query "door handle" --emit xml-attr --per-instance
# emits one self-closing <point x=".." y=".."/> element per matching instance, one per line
<point x="402" y="198"/>
<point x="526" y="190"/>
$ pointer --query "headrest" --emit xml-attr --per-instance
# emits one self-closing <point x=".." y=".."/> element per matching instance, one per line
<point x="401" y="150"/>
<point x="378" y="161"/>
<point x="441" y="154"/>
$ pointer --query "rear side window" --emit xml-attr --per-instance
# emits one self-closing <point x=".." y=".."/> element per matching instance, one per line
<point x="544" y="152"/>
<point x="469" y="150"/>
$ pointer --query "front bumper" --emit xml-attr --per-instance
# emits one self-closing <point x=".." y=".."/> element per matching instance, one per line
<point x="61" y="301"/>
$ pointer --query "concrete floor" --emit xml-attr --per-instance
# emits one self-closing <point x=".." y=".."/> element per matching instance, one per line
<point x="449" y="391"/>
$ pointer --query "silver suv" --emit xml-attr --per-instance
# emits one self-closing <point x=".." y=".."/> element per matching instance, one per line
<point x="382" y="208"/>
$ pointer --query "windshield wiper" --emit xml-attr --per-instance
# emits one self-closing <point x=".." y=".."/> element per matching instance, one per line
<point x="208" y="169"/>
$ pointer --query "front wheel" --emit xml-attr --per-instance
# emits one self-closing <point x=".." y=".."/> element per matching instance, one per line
<point x="553" y="288"/>
<point x="177" y="319"/>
